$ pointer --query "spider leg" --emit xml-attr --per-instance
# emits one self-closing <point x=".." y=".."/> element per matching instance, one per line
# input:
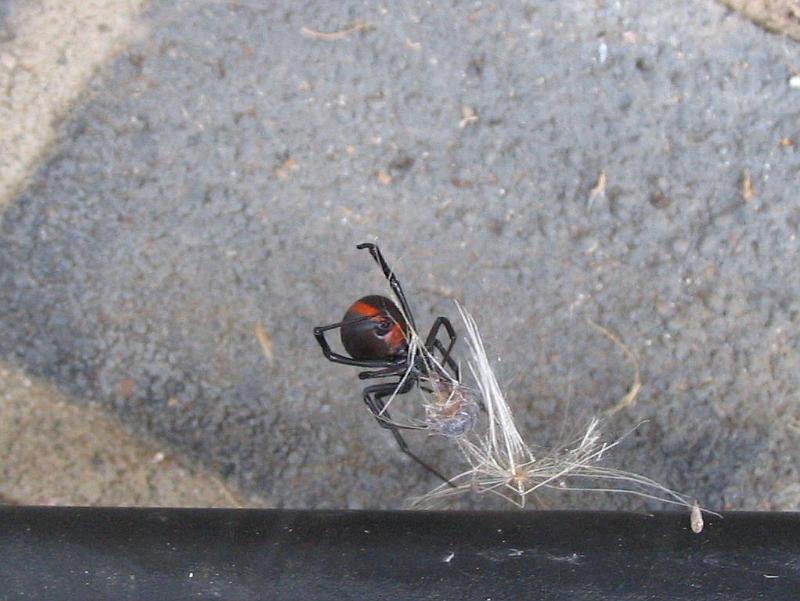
<point x="393" y="281"/>
<point x="381" y="373"/>
<point x="432" y="342"/>
<point x="373" y="397"/>
<point x="319" y="334"/>
<point x="434" y="332"/>
<point x="448" y="360"/>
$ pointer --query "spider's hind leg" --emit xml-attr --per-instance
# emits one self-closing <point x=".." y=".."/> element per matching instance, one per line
<point x="433" y="342"/>
<point x="373" y="397"/>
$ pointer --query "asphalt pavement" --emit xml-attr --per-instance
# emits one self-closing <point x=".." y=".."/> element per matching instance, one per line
<point x="544" y="163"/>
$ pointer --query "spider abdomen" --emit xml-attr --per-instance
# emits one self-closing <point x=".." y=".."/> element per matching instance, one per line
<point x="374" y="328"/>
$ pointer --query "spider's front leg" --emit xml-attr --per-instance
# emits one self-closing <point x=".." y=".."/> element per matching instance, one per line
<point x="373" y="397"/>
<point x="382" y="373"/>
<point x="393" y="281"/>
<point x="330" y="355"/>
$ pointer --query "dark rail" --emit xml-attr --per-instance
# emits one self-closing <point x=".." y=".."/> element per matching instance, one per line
<point x="162" y="554"/>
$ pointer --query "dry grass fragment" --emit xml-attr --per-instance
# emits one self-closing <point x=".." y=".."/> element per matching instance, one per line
<point x="502" y="463"/>
<point x="265" y="342"/>
<point x="599" y="190"/>
<point x="629" y="399"/>
<point x="468" y="117"/>
<point x="333" y="36"/>
<point x="747" y="186"/>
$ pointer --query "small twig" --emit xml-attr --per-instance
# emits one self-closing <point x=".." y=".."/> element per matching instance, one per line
<point x="333" y="36"/>
<point x="232" y="498"/>
<point x="265" y="342"/>
<point x="747" y="186"/>
<point x="633" y="391"/>
<point x="599" y="190"/>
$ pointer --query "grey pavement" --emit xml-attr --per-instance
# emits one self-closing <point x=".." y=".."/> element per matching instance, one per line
<point x="57" y="452"/>
<point x="54" y="450"/>
<point x="222" y="169"/>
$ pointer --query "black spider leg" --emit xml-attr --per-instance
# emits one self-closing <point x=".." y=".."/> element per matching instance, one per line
<point x="373" y="397"/>
<point x="393" y="281"/>
<point x="433" y="342"/>
<point x="382" y="373"/>
<point x="319" y="334"/>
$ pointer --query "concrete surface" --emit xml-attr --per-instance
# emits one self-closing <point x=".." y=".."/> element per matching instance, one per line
<point x="780" y="16"/>
<point x="221" y="171"/>
<point x="65" y="454"/>
<point x="48" y="51"/>
<point x="53" y="451"/>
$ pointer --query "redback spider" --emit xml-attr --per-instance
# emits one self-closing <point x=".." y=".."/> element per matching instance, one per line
<point x="377" y="334"/>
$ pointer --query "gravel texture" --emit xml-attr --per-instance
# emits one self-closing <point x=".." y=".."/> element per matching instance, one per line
<point x="66" y="454"/>
<point x="49" y="49"/>
<point x="780" y="16"/>
<point x="225" y="167"/>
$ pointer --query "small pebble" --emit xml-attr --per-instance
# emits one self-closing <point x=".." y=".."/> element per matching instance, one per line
<point x="602" y="52"/>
